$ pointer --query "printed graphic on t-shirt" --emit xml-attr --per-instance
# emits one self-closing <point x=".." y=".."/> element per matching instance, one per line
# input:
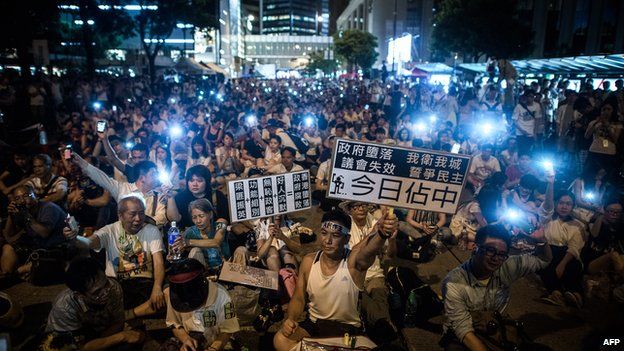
<point x="133" y="261"/>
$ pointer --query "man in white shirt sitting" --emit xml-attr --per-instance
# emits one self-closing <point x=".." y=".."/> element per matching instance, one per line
<point x="134" y="255"/>
<point x="287" y="165"/>
<point x="146" y="184"/>
<point x="483" y="166"/>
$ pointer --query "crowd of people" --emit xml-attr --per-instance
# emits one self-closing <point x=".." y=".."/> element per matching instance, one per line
<point x="124" y="160"/>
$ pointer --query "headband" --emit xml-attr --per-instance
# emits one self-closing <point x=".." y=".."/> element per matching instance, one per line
<point x="335" y="226"/>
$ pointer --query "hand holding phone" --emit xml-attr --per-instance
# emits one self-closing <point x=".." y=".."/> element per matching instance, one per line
<point x="101" y="126"/>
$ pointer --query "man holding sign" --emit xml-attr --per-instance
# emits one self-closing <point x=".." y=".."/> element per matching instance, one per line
<point x="332" y="280"/>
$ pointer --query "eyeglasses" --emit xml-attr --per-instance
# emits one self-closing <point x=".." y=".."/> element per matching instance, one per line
<point x="492" y="252"/>
<point x="358" y="206"/>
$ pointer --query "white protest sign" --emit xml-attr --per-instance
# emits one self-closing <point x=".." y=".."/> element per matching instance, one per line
<point x="246" y="275"/>
<point x="277" y="194"/>
<point x="397" y="176"/>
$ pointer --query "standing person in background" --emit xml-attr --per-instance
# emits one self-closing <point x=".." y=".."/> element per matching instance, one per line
<point x="605" y="132"/>
<point x="524" y="117"/>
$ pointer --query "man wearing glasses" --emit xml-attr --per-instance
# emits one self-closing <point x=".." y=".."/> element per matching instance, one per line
<point x="90" y="309"/>
<point x="483" y="283"/>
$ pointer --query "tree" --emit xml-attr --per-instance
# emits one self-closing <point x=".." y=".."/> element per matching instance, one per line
<point x="101" y="29"/>
<point x="22" y="22"/>
<point x="154" y="25"/>
<point x="474" y="28"/>
<point x="357" y="48"/>
<point x="317" y="61"/>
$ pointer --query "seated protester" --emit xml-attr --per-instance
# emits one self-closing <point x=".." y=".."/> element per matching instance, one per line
<point x="523" y="197"/>
<point x="146" y="184"/>
<point x="516" y="171"/>
<point x="91" y="309"/>
<point x="200" y="153"/>
<point x="375" y="295"/>
<point x="32" y="224"/>
<point x="198" y="180"/>
<point x="228" y="160"/>
<point x="482" y="285"/>
<point x="565" y="236"/>
<point x="272" y="154"/>
<point x="604" y="249"/>
<point x="87" y="201"/>
<point x="206" y="240"/>
<point x="589" y="189"/>
<point x="287" y="165"/>
<point x="253" y="147"/>
<point x="275" y="243"/>
<point x="468" y="219"/>
<point x="509" y="156"/>
<point x="340" y="131"/>
<point x="275" y="127"/>
<point x="380" y="135"/>
<point x="134" y="255"/>
<point x="199" y="311"/>
<point x="138" y="153"/>
<point x="331" y="280"/>
<point x="321" y="182"/>
<point x="46" y="185"/>
<point x="483" y="166"/>
<point x="419" y="223"/>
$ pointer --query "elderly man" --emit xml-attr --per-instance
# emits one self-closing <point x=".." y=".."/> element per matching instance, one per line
<point x="330" y="281"/>
<point x="375" y="295"/>
<point x="32" y="224"/>
<point x="134" y="254"/>
<point x="146" y="183"/>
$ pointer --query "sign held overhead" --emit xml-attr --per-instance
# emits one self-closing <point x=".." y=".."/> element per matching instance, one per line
<point x="397" y="176"/>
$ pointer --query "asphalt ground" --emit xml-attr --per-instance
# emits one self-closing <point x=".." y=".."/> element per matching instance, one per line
<point x="560" y="328"/>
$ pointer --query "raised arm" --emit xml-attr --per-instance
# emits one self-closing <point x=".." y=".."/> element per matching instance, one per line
<point x="97" y="175"/>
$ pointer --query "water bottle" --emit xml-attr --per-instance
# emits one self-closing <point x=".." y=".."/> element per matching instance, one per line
<point x="172" y="236"/>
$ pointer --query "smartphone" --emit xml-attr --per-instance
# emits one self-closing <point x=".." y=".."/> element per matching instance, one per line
<point x="114" y="108"/>
<point x="455" y="149"/>
<point x="67" y="153"/>
<point x="101" y="126"/>
<point x="72" y="223"/>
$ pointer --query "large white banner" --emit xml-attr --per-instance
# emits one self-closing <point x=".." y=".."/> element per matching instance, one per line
<point x="397" y="176"/>
<point x="260" y="197"/>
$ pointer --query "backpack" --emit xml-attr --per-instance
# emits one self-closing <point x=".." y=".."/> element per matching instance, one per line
<point x="412" y="301"/>
<point x="302" y="144"/>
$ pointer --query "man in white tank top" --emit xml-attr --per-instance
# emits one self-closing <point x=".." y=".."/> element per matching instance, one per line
<point x="331" y="280"/>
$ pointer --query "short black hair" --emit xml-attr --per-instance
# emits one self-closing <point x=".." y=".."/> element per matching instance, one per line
<point x="337" y="216"/>
<point x="81" y="273"/>
<point x="289" y="149"/>
<point x="494" y="231"/>
<point x="563" y="193"/>
<point x="140" y="147"/>
<point x="199" y="171"/>
<point x="142" y="168"/>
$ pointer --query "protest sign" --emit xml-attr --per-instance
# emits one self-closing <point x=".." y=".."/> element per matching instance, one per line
<point x="397" y="176"/>
<point x="260" y="197"/>
<point x="243" y="274"/>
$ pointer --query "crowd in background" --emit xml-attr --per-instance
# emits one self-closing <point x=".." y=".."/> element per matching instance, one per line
<point x="121" y="155"/>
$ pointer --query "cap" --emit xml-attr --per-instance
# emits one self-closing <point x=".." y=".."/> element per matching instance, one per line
<point x="187" y="285"/>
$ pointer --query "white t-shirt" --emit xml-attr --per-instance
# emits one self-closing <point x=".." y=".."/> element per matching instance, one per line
<point x="138" y="249"/>
<point x="484" y="169"/>
<point x="216" y="316"/>
<point x="525" y="119"/>
<point x="358" y="234"/>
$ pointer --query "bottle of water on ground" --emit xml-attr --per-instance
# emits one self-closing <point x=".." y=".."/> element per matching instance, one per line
<point x="172" y="235"/>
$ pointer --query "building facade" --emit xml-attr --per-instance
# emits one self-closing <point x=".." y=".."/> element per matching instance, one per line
<point x="286" y="51"/>
<point x="575" y="27"/>
<point x="294" y="17"/>
<point x="392" y="19"/>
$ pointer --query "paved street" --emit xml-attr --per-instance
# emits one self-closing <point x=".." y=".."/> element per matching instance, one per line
<point x="559" y="328"/>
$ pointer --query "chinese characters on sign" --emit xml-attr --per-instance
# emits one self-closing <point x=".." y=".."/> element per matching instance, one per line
<point x="397" y="176"/>
<point x="267" y="196"/>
